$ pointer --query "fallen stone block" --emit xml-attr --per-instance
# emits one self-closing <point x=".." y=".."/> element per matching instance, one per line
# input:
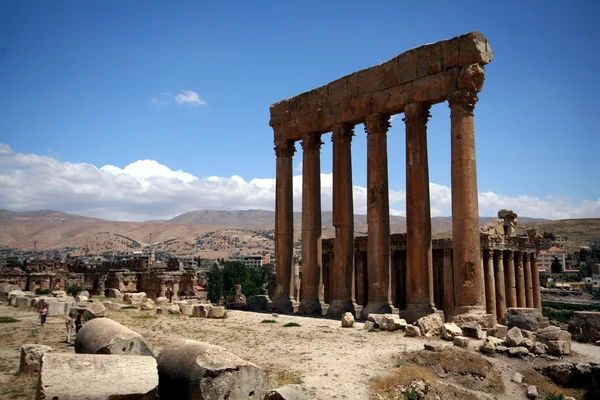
<point x="376" y="319"/>
<point x="94" y="310"/>
<point x="559" y="373"/>
<point x="56" y="308"/>
<point x="201" y="310"/>
<point x="472" y="330"/>
<point x="557" y="340"/>
<point x="518" y="352"/>
<point x="217" y="312"/>
<point x="412" y="331"/>
<point x="538" y="348"/>
<point x="257" y="303"/>
<point x="31" y="357"/>
<point x="84" y="293"/>
<point x="498" y="331"/>
<point x="186" y="309"/>
<point x="60" y="293"/>
<point x="160" y="310"/>
<point x="347" y="320"/>
<point x="147" y="305"/>
<point x="134" y="298"/>
<point x="114" y="294"/>
<point x="514" y="337"/>
<point x="287" y="392"/>
<point x="461" y="341"/>
<point x="174" y="309"/>
<point x="433" y="346"/>
<point x="392" y="322"/>
<point x="210" y="372"/>
<point x="105" y="336"/>
<point x="451" y="330"/>
<point x="517" y="378"/>
<point x="532" y="392"/>
<point x="66" y="376"/>
<point x="368" y="325"/>
<point x="81" y="299"/>
<point x="585" y="325"/>
<point x="488" y="349"/>
<point x="23" y="302"/>
<point x="430" y="325"/>
<point x="525" y="318"/>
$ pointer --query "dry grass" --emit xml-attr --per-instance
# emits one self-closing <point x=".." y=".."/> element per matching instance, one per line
<point x="545" y="386"/>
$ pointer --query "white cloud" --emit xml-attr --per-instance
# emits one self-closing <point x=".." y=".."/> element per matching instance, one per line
<point x="189" y="97"/>
<point x="161" y="100"/>
<point x="146" y="189"/>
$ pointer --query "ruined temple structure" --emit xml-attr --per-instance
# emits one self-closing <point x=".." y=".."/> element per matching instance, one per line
<point x="450" y="70"/>
<point x="508" y="262"/>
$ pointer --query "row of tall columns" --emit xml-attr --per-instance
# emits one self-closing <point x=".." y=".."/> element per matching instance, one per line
<point x="507" y="286"/>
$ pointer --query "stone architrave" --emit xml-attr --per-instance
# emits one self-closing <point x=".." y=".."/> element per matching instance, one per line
<point x="378" y="216"/>
<point x="283" y="299"/>
<point x="510" y="280"/>
<point x="312" y="273"/>
<point x="419" y="261"/>
<point x="343" y="222"/>
<point x="469" y="293"/>
<point x="499" y="282"/>
<point x="520" y="279"/>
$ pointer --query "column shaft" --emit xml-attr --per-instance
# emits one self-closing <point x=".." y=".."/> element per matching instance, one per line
<point x="419" y="265"/>
<point x="520" y="279"/>
<point x="528" y="281"/>
<point x="312" y="274"/>
<point x="284" y="227"/>
<point x="511" y="281"/>
<point x="378" y="215"/>
<point x="468" y="273"/>
<point x="448" y="283"/>
<point x="343" y="299"/>
<point x="500" y="285"/>
<point x="490" y="282"/>
<point x="537" y="298"/>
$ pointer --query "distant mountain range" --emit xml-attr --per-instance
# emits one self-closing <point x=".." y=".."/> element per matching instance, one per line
<point x="54" y="229"/>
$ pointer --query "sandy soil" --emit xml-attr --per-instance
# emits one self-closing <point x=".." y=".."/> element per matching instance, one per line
<point x="327" y="360"/>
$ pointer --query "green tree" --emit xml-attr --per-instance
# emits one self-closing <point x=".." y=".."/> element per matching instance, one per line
<point x="257" y="279"/>
<point x="556" y="266"/>
<point x="214" y="288"/>
<point x="13" y="264"/>
<point x="234" y="273"/>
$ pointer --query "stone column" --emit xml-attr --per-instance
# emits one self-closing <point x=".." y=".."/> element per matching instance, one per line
<point x="378" y="216"/>
<point x="283" y="299"/>
<point x="469" y="293"/>
<point x="490" y="282"/>
<point x="528" y="281"/>
<point x="520" y="278"/>
<point x="510" y="280"/>
<point x="312" y="279"/>
<point x="500" y="286"/>
<point x="343" y="221"/>
<point x="535" y="275"/>
<point x="448" y="283"/>
<point x="419" y="266"/>
<point x="359" y="260"/>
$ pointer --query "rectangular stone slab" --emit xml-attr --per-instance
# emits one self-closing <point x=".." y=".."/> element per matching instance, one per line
<point x="66" y="376"/>
<point x="425" y="74"/>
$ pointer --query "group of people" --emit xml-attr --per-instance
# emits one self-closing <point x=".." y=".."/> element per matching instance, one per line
<point x="78" y="323"/>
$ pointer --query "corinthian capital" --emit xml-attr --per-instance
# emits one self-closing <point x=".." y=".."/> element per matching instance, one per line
<point x="462" y="101"/>
<point x="311" y="141"/>
<point x="416" y="113"/>
<point x="377" y="124"/>
<point x="284" y="148"/>
<point x="342" y="133"/>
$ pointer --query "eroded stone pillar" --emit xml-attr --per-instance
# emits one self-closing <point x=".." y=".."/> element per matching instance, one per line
<point x="378" y="216"/>
<point x="469" y="294"/>
<point x="312" y="274"/>
<point x="490" y="281"/>
<point x="419" y="265"/>
<point x="448" y="283"/>
<point x="520" y="279"/>
<point x="535" y="278"/>
<point x="283" y="299"/>
<point x="510" y="280"/>
<point x="528" y="281"/>
<point x="343" y="222"/>
<point x="500" y="285"/>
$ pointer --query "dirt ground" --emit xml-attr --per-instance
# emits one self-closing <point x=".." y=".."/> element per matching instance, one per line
<point x="330" y="362"/>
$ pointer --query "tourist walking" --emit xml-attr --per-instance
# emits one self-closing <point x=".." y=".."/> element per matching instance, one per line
<point x="78" y="322"/>
<point x="69" y="324"/>
<point x="43" y="315"/>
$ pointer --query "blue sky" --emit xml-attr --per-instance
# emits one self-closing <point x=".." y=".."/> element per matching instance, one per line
<point x="84" y="85"/>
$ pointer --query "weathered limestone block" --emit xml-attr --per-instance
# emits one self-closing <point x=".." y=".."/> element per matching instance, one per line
<point x="84" y="293"/>
<point x="517" y="378"/>
<point x="368" y="325"/>
<point x="174" y="309"/>
<point x="430" y="325"/>
<point x="392" y="322"/>
<point x="525" y="318"/>
<point x="518" y="352"/>
<point x="450" y="330"/>
<point x="201" y="310"/>
<point x="585" y="325"/>
<point x="186" y="309"/>
<point x="59" y="293"/>
<point x="31" y="357"/>
<point x="412" y="331"/>
<point x="377" y="319"/>
<point x="557" y="340"/>
<point x="114" y="294"/>
<point x="210" y="372"/>
<point x="461" y="341"/>
<point x="6" y="288"/>
<point x="498" y="331"/>
<point x="538" y="348"/>
<point x="528" y="334"/>
<point x="13" y="294"/>
<point x="528" y="343"/>
<point x="287" y="392"/>
<point x="134" y="298"/>
<point x="473" y="330"/>
<point x="347" y="320"/>
<point x="162" y="301"/>
<point x="514" y="337"/>
<point x="94" y="310"/>
<point x="217" y="312"/>
<point x="559" y="373"/>
<point x="160" y="310"/>
<point x="532" y="392"/>
<point x="56" y="308"/>
<point x="23" y="302"/>
<point x="81" y="299"/>
<point x="494" y="341"/>
<point x="66" y="376"/>
<point x="109" y="305"/>
<point x="488" y="349"/>
<point x="147" y="305"/>
<point x="257" y="303"/>
<point x="105" y="336"/>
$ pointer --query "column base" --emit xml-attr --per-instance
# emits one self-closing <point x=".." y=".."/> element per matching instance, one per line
<point x="338" y="307"/>
<point x="473" y="314"/>
<point x="312" y="307"/>
<point x="283" y="304"/>
<point x="376" y="307"/>
<point x="414" y="312"/>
